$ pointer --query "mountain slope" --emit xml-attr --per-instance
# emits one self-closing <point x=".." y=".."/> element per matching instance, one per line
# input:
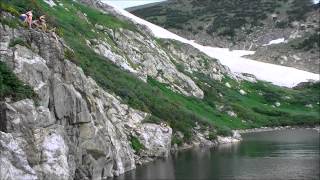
<point x="234" y="61"/>
<point x="244" y="25"/>
<point x="106" y="89"/>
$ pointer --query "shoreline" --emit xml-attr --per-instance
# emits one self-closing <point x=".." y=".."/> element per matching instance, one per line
<point x="236" y="137"/>
<point x="205" y="143"/>
<point x="278" y="128"/>
<point x="206" y="150"/>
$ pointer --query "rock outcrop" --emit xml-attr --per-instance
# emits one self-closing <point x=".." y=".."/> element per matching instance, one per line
<point x="74" y="129"/>
<point x="191" y="60"/>
<point x="139" y="53"/>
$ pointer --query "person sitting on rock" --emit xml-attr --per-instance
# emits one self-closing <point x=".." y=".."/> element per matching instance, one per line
<point x="23" y="18"/>
<point x="26" y="18"/>
<point x="29" y="18"/>
<point x="41" y="23"/>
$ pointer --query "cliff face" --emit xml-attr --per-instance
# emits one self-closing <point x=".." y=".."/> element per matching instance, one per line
<point x="74" y="130"/>
<point x="110" y="95"/>
<point x="139" y="53"/>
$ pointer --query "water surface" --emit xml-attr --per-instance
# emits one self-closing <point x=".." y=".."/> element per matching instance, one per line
<point x="285" y="154"/>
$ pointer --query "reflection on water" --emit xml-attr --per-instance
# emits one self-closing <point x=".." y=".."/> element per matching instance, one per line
<point x="287" y="154"/>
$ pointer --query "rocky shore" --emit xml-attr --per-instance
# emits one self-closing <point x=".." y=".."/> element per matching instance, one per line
<point x="279" y="128"/>
<point x="199" y="141"/>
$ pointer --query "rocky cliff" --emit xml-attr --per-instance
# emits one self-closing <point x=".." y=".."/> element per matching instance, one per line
<point x="74" y="129"/>
<point x="109" y="95"/>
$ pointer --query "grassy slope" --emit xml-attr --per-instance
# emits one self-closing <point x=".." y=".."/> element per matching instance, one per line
<point x="179" y="111"/>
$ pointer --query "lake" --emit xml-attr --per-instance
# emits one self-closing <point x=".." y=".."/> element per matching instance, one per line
<point x="285" y="154"/>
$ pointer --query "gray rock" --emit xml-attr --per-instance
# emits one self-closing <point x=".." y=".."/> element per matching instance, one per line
<point x="13" y="160"/>
<point x="156" y="139"/>
<point x="142" y="56"/>
<point x="77" y="130"/>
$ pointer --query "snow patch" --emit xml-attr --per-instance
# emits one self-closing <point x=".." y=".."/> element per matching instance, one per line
<point x="276" y="41"/>
<point x="276" y="74"/>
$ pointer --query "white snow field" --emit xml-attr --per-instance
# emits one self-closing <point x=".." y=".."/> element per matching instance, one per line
<point x="276" y="74"/>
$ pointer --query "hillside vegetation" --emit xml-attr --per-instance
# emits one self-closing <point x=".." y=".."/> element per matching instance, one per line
<point x="263" y="105"/>
<point x="223" y="17"/>
<point x="11" y="87"/>
<point x="246" y="24"/>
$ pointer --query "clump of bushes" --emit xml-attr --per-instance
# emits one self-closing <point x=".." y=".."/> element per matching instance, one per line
<point x="313" y="41"/>
<point x="136" y="144"/>
<point x="9" y="8"/>
<point x="69" y="54"/>
<point x="176" y="140"/>
<point x="12" y="87"/>
<point x="224" y="131"/>
<point x="212" y="135"/>
<point x="281" y="24"/>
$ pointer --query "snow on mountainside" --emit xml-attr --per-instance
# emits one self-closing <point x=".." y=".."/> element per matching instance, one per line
<point x="278" y="75"/>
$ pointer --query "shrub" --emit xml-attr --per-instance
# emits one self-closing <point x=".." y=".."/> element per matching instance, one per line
<point x="200" y="28"/>
<point x="281" y="24"/>
<point x="212" y="135"/>
<point x="312" y="41"/>
<point x="176" y="140"/>
<point x="224" y="131"/>
<point x="8" y="8"/>
<point x="12" y="87"/>
<point x="11" y="22"/>
<point x="136" y="144"/>
<point x="180" y="67"/>
<point x="59" y="31"/>
<point x="69" y="54"/>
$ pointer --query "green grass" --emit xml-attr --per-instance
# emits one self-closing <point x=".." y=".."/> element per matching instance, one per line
<point x="179" y="111"/>
<point x="136" y="144"/>
<point x="12" y="87"/>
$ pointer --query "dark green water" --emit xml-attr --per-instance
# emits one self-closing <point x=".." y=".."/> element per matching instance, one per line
<point x="283" y="155"/>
